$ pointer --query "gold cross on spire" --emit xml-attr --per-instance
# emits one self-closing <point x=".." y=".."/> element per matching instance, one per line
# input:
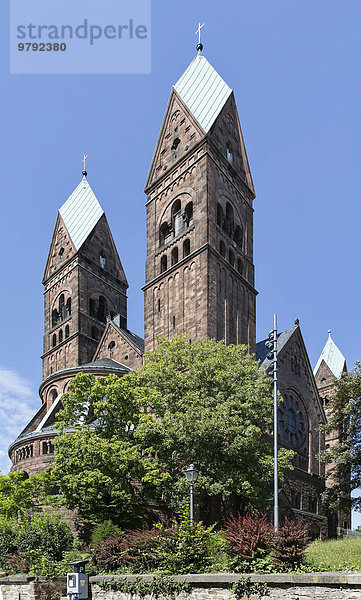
<point x="200" y="27"/>
<point x="84" y="161"/>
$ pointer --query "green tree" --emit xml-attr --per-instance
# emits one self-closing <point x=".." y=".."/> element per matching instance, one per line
<point x="19" y="494"/>
<point x="343" y="459"/>
<point x="203" y="402"/>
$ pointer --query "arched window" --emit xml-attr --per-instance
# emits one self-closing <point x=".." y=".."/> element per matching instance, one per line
<point x="163" y="263"/>
<point x="111" y="347"/>
<point x="174" y="256"/>
<point x="66" y="331"/>
<point x="229" y="221"/>
<point x="229" y="154"/>
<point x="53" y="396"/>
<point x="220" y="215"/>
<point x="231" y="258"/>
<point x="173" y="322"/>
<point x="95" y="333"/>
<point x="54" y="317"/>
<point x="239" y="266"/>
<point x="159" y="305"/>
<point x="222" y="249"/>
<point x="238" y="235"/>
<point x="164" y="233"/>
<point x="62" y="307"/>
<point x="177" y="220"/>
<point x="186" y="247"/>
<point x="68" y="307"/>
<point x="102" y="309"/>
<point x="60" y="336"/>
<point x="54" y="340"/>
<point x="188" y="214"/>
<point x="92" y="307"/>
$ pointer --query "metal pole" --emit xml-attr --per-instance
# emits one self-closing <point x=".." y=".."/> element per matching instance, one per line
<point x="191" y="503"/>
<point x="275" y="423"/>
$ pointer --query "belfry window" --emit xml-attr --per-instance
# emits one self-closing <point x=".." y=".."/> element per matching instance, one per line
<point x="164" y="233"/>
<point x="222" y="249"/>
<point x="68" y="307"/>
<point x="220" y="215"/>
<point x="231" y="258"/>
<point x="186" y="247"/>
<point x="229" y="221"/>
<point x="60" y="336"/>
<point x="177" y="220"/>
<point x="62" y="307"/>
<point x="54" y="317"/>
<point x="188" y="214"/>
<point x="237" y="236"/>
<point x="92" y="307"/>
<point x="102" y="309"/>
<point x="163" y="263"/>
<point x="54" y="340"/>
<point x="66" y="331"/>
<point x="174" y="256"/>
<point x="239" y="266"/>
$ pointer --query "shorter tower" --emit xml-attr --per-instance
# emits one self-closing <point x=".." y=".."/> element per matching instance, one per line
<point x="84" y="290"/>
<point x="84" y="282"/>
<point x="330" y="366"/>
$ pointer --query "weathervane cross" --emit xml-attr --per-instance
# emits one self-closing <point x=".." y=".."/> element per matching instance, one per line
<point x="84" y="161"/>
<point x="199" y="32"/>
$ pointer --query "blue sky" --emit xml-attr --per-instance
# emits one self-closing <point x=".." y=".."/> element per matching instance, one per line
<point x="295" y="71"/>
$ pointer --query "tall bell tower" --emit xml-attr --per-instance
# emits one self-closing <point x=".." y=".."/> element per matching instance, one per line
<point x="199" y="266"/>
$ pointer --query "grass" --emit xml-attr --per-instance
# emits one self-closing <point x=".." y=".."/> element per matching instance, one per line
<point x="335" y="555"/>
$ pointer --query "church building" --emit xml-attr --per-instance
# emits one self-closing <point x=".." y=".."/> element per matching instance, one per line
<point x="199" y="281"/>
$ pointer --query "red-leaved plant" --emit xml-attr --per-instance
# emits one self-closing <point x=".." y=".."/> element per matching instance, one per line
<point x="135" y="550"/>
<point x="249" y="538"/>
<point x="288" y="545"/>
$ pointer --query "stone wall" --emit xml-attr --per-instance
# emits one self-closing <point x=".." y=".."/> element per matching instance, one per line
<point x="305" y="586"/>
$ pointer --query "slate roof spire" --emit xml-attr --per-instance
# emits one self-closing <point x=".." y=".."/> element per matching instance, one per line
<point x="81" y="212"/>
<point x="333" y="358"/>
<point x="203" y="91"/>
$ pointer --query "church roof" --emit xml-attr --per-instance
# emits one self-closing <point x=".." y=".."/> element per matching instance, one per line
<point x="282" y="339"/>
<point x="137" y="341"/>
<point x="80" y="213"/>
<point x="333" y="358"/>
<point x="203" y="91"/>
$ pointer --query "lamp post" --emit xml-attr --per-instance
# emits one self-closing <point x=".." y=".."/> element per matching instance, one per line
<point x="271" y="344"/>
<point x="191" y="476"/>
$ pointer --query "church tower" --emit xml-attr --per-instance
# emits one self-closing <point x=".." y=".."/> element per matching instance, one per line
<point x="199" y="267"/>
<point x="84" y="283"/>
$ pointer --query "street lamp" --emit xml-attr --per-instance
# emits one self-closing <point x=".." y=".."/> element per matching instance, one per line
<point x="191" y="476"/>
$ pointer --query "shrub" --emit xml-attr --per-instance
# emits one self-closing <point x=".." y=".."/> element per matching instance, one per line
<point x="7" y="540"/>
<point x="134" y="550"/>
<point x="288" y="545"/>
<point x="103" y="530"/>
<point x="249" y="538"/>
<point x="185" y="547"/>
<point x="45" y="533"/>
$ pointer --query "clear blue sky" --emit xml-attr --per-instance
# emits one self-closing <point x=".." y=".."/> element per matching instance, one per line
<point x="295" y="71"/>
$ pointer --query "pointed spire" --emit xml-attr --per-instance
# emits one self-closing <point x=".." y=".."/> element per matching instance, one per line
<point x="333" y="358"/>
<point x="84" y="169"/>
<point x="199" y="45"/>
